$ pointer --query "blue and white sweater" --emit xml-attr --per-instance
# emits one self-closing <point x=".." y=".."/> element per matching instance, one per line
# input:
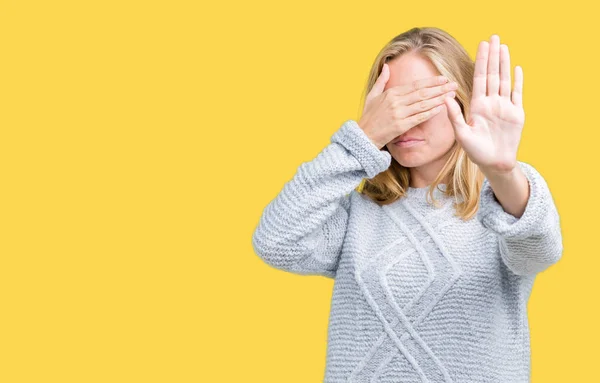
<point x="419" y="294"/>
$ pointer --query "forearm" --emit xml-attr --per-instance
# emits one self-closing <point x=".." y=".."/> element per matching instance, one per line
<point x="531" y="241"/>
<point x="512" y="190"/>
<point x="302" y="229"/>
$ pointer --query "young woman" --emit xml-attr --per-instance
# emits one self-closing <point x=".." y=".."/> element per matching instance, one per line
<point x="423" y="292"/>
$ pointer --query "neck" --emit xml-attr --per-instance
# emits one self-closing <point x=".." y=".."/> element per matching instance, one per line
<point x="424" y="175"/>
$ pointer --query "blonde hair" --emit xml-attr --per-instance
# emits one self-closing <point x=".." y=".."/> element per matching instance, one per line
<point x="452" y="61"/>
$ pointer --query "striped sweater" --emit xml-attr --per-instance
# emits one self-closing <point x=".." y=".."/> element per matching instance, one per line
<point x="419" y="295"/>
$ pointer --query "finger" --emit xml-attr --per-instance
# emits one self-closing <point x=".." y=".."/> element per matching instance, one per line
<point x="493" y="70"/>
<point x="419" y="85"/>
<point x="416" y="119"/>
<point x="423" y="95"/>
<point x="480" y="74"/>
<point x="456" y="117"/>
<point x="427" y="104"/>
<point x="504" y="71"/>
<point x="380" y="83"/>
<point x="517" y="94"/>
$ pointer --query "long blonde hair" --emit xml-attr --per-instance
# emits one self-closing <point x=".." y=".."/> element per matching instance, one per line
<point x="452" y="61"/>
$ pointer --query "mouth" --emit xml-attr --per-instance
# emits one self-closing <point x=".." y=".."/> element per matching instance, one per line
<point x="408" y="142"/>
<point x="406" y="139"/>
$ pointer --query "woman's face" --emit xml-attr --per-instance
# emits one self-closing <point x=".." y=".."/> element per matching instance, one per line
<point x="437" y="133"/>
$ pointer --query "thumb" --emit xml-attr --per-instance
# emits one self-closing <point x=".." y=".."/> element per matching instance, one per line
<point x="379" y="85"/>
<point x="455" y="115"/>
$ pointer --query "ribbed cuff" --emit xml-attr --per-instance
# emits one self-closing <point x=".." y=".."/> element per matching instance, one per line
<point x="533" y="221"/>
<point x="353" y="138"/>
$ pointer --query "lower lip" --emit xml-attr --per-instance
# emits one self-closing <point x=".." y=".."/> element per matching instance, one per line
<point x="404" y="144"/>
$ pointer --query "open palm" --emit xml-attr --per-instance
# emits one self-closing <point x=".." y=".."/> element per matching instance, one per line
<point x="492" y="134"/>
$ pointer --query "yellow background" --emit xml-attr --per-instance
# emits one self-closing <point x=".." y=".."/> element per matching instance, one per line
<point x="140" y="141"/>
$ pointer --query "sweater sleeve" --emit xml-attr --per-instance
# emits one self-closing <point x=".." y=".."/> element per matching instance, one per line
<point x="533" y="242"/>
<point x="302" y="229"/>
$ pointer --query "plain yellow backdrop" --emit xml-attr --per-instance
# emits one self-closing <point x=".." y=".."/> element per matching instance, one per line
<point x="141" y="140"/>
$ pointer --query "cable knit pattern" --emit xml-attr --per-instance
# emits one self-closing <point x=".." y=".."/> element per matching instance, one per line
<point x="419" y="294"/>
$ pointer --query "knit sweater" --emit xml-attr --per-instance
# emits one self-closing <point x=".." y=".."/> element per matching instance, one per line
<point x="419" y="295"/>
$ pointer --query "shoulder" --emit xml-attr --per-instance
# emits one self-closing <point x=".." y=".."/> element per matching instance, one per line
<point x="359" y="202"/>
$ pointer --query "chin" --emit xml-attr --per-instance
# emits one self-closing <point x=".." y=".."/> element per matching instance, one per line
<point x="412" y="164"/>
<point x="410" y="159"/>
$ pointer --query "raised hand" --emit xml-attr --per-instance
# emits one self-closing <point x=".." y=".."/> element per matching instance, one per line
<point x="492" y="134"/>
